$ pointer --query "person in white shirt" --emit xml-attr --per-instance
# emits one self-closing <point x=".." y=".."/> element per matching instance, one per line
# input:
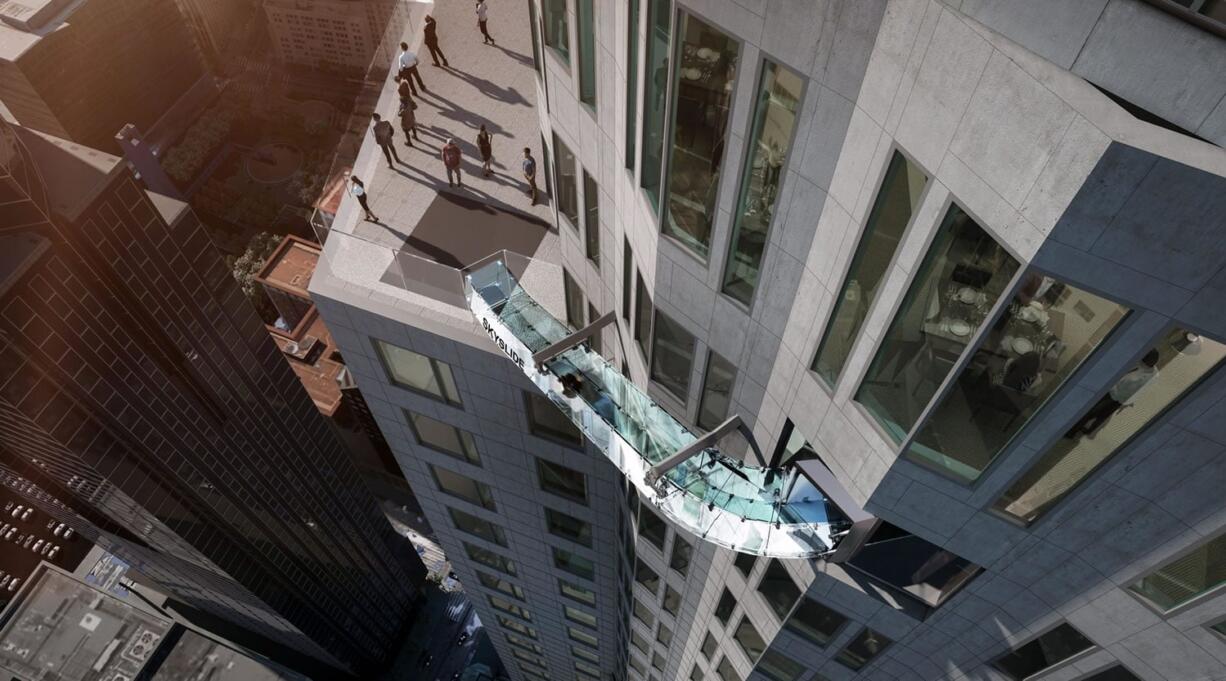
<point x="482" y="21"/>
<point x="408" y="68"/>
<point x="1121" y="395"/>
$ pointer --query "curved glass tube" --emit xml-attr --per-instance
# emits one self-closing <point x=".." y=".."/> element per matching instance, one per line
<point x="775" y="512"/>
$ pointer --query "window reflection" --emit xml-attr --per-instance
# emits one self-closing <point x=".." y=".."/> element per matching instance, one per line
<point x="702" y="99"/>
<point x="716" y="392"/>
<point x="1164" y="375"/>
<point x="556" y="32"/>
<point x="1045" y="333"/>
<point x="672" y="356"/>
<point x="568" y="181"/>
<point x="1201" y="571"/>
<point x="774" y="121"/>
<point x="587" y="52"/>
<point x="655" y="86"/>
<point x="962" y="276"/>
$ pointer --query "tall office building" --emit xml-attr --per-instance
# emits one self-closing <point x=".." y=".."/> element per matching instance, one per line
<point x="144" y="404"/>
<point x="217" y="23"/>
<point x="83" y="69"/>
<point x="340" y="32"/>
<point x="956" y="266"/>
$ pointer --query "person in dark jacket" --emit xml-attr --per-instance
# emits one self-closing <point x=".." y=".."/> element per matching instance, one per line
<point x="408" y="123"/>
<point x="359" y="190"/>
<point x="383" y="135"/>
<point x="485" y="146"/>
<point x="431" y="40"/>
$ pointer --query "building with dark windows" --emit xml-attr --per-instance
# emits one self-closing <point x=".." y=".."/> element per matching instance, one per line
<point x="144" y="405"/>
<point x="876" y="340"/>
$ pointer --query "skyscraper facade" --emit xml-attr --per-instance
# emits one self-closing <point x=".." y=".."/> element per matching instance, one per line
<point x="144" y="404"/>
<point x="956" y="269"/>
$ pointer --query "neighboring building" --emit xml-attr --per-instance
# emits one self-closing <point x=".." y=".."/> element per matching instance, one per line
<point x="343" y="33"/>
<point x="28" y="537"/>
<point x="83" y="69"/>
<point x="217" y="23"/>
<point x="968" y="299"/>
<point x="144" y="405"/>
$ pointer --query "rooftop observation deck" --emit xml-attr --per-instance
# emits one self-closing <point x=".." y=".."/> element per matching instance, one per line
<point x="430" y="255"/>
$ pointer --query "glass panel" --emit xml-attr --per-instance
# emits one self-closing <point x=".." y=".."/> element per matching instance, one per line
<point x="1166" y="373"/>
<point x="537" y="65"/>
<point x="577" y="593"/>
<point x="682" y="552"/>
<point x="545" y="420"/>
<point x="1183" y="579"/>
<point x="587" y="52"/>
<point x="1048" y="649"/>
<point x="408" y="369"/>
<point x="652" y="528"/>
<point x="524" y="643"/>
<point x="557" y="33"/>
<point x="642" y="318"/>
<point x="749" y="639"/>
<point x="1045" y="333"/>
<point x="815" y="622"/>
<point x="862" y="649"/>
<point x="744" y="563"/>
<point x="477" y="527"/>
<point x="643" y="614"/>
<point x="591" y="218"/>
<point x="463" y="487"/>
<point x="594" y="340"/>
<point x="702" y="99"/>
<point x="509" y="608"/>
<point x="627" y="275"/>
<point x="778" y="589"/>
<point x="896" y="202"/>
<point x="574" y="301"/>
<point x="664" y="635"/>
<point x="954" y="289"/>
<point x="779" y="668"/>
<point x="562" y="481"/>
<point x="696" y="673"/>
<point x="725" y="671"/>
<point x="507" y="623"/>
<point x="655" y="87"/>
<point x="672" y="356"/>
<point x="490" y="559"/>
<point x="708" y="646"/>
<point x="907" y="562"/>
<point x="574" y="564"/>
<point x="491" y="582"/>
<point x="773" y="125"/>
<point x="584" y="653"/>
<point x="716" y="392"/>
<point x="643" y="574"/>
<point x="444" y="437"/>
<point x="568" y="181"/>
<point x="565" y="526"/>
<point x="632" y="81"/>
<point x="577" y="615"/>
<point x="723" y="610"/>
<point x="657" y="661"/>
<point x="672" y="601"/>
<point x="638" y="641"/>
<point x="1116" y="673"/>
<point x="638" y="666"/>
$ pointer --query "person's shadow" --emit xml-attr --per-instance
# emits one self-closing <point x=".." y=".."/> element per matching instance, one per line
<point x="523" y="59"/>
<point x="503" y="94"/>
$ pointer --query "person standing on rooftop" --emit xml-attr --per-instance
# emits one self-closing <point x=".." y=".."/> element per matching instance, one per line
<point x="529" y="168"/>
<point x="383" y="135"/>
<point x="482" y="21"/>
<point x="408" y="123"/>
<point x="431" y="40"/>
<point x="451" y="161"/>
<point x="485" y="146"/>
<point x="358" y="189"/>
<point x="406" y="95"/>
<point x="408" y="68"/>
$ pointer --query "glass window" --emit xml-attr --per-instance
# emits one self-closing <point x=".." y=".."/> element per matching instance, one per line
<point x="725" y="671"/>
<point x="643" y="574"/>
<point x="672" y="356"/>
<point x="682" y="552"/>
<point x="815" y="622"/>
<point x="749" y="639"/>
<point x="477" y="527"/>
<point x="574" y="301"/>
<point x="632" y="80"/>
<point x="776" y="667"/>
<point x="897" y="199"/>
<point x="708" y="646"/>
<point x="657" y="661"/>
<point x="664" y="636"/>
<point x="862" y="649"/>
<point x="537" y="65"/>
<point x="1198" y="572"/>
<point x="744" y="562"/>
<point x="562" y="525"/>
<point x="577" y="593"/>
<point x="421" y="374"/>
<point x="587" y="52"/>
<point x="638" y="641"/>
<point x="463" y="487"/>
<point x="591" y="218"/>
<point x="1051" y="648"/>
<point x="585" y="654"/>
<point x="1219" y="628"/>
<point x="582" y="637"/>
<point x="574" y="563"/>
<point x="557" y="33"/>
<point x="627" y="275"/>
<point x="586" y="669"/>
<point x="1163" y="376"/>
<point x="524" y="643"/>
<point x="528" y="657"/>
<point x="577" y="615"/>
<point x="1116" y="673"/>
<point x="638" y="666"/>
<point x="547" y="421"/>
<point x="655" y="90"/>
<point x="509" y="608"/>
<point x="778" y="589"/>
<point x="723" y="609"/>
<point x="511" y="624"/>
<point x="652" y="528"/>
<point x="716" y="391"/>
<point x="490" y="559"/>
<point x="696" y="673"/>
<point x="702" y="99"/>
<point x="568" y="181"/>
<point x="498" y="584"/>
<point x="642" y="317"/>
<point x="592" y="315"/>
<point x="443" y="437"/>
<point x="904" y="561"/>
<point x="773" y="124"/>
<point x="672" y="600"/>
<point x="1045" y="333"/>
<point x="643" y="614"/>
<point x="567" y="483"/>
<point x="953" y="291"/>
<point x="545" y="166"/>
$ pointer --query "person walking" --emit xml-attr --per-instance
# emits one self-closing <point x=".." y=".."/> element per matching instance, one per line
<point x="529" y="167"/>
<point x="359" y="190"/>
<point x="431" y="41"/>
<point x="451" y="161"/>
<point x="408" y="68"/>
<point x="383" y="135"/>
<point x="485" y="146"/>
<point x="1121" y="396"/>
<point x="483" y="21"/>
<point x="408" y="123"/>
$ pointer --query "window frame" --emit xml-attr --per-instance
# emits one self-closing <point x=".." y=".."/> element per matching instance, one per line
<point x="1208" y="594"/>
<point x="385" y="363"/>
<point x="472" y="458"/>
<point x="1094" y="647"/>
<point x="485" y="494"/>
<point x="551" y="514"/>
<point x="540" y="480"/>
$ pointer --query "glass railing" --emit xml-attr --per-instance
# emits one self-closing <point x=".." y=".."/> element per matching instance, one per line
<point x="766" y="511"/>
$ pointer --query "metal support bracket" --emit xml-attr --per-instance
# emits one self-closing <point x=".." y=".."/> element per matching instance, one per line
<point x="704" y="441"/>
<point x="574" y="339"/>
